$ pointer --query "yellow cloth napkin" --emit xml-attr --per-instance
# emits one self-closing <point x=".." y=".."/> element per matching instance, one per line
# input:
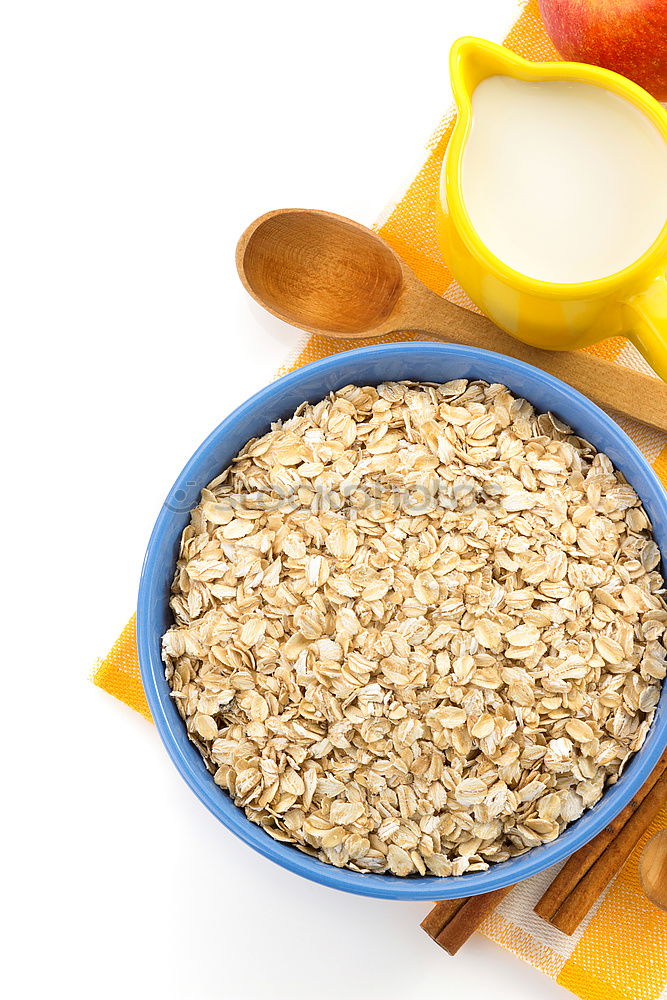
<point x="620" y="952"/>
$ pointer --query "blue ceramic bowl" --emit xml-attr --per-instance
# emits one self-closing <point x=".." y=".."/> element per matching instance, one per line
<point x="367" y="366"/>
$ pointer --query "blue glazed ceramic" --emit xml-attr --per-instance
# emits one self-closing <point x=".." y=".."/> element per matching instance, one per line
<point x="371" y="365"/>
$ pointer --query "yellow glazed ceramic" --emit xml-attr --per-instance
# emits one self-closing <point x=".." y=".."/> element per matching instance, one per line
<point x="631" y="302"/>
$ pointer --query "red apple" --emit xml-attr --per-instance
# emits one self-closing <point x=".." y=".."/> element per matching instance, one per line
<point x="628" y="36"/>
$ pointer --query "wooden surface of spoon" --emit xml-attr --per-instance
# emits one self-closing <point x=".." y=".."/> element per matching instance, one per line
<point x="329" y="275"/>
<point x="653" y="869"/>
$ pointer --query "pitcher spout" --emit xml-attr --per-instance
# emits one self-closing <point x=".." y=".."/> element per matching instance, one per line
<point x="472" y="60"/>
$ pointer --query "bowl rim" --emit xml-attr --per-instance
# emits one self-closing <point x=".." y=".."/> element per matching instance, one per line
<point x="172" y="731"/>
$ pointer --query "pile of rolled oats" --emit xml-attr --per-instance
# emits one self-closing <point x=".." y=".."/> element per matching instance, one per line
<point x="418" y="627"/>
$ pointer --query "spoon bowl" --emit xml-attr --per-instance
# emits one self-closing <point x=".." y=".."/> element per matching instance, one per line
<point x="320" y="272"/>
<point x="653" y="869"/>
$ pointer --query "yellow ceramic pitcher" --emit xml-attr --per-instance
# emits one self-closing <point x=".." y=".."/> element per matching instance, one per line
<point x="631" y="302"/>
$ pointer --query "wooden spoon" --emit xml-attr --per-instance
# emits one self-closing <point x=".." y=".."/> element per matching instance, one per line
<point x="331" y="276"/>
<point x="653" y="869"/>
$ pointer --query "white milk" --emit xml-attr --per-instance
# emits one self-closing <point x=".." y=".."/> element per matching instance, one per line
<point x="563" y="181"/>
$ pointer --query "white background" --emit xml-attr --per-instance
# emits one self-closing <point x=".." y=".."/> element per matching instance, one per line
<point x="138" y="140"/>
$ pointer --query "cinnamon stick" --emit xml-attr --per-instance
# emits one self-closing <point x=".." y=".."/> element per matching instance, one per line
<point x="576" y="867"/>
<point x="451" y="922"/>
<point x="437" y="918"/>
<point x="465" y="921"/>
<point x="573" y="910"/>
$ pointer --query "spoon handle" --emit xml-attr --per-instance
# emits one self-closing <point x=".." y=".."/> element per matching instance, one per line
<point x="642" y="397"/>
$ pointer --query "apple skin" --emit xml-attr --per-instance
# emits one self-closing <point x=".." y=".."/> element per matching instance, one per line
<point x="628" y="36"/>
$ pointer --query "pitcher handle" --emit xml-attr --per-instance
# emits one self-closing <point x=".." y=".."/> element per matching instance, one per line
<point x="647" y="324"/>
